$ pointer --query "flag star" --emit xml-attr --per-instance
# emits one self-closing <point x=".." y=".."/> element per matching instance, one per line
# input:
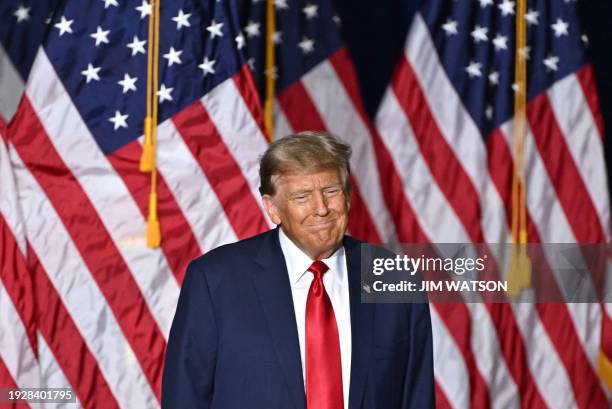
<point x="506" y="7"/>
<point x="307" y="45"/>
<point x="450" y="27"/>
<point x="281" y="4"/>
<point x="207" y="66"/>
<point x="500" y="42"/>
<point x="532" y="17"/>
<point x="485" y="3"/>
<point x="524" y="52"/>
<point x="489" y="112"/>
<point x="584" y="39"/>
<point x="101" y="36"/>
<point x="164" y="93"/>
<point x="311" y="11"/>
<point x="64" y="26"/>
<point x="173" y="56"/>
<point x="144" y="9"/>
<point x="91" y="73"/>
<point x="473" y="69"/>
<point x="337" y="20"/>
<point x="128" y="83"/>
<point x="277" y="37"/>
<point x="252" y="29"/>
<point x="215" y="29"/>
<point x="137" y="46"/>
<point x="494" y="77"/>
<point x="182" y="19"/>
<point x="22" y="13"/>
<point x="108" y="3"/>
<point x="251" y="62"/>
<point x="479" y="33"/>
<point x="119" y="120"/>
<point x="560" y="28"/>
<point x="239" y="41"/>
<point x="551" y="62"/>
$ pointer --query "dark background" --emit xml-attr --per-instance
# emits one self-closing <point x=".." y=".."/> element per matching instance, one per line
<point x="375" y="32"/>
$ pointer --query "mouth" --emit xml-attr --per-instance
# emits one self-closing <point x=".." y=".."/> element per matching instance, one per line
<point x="324" y="223"/>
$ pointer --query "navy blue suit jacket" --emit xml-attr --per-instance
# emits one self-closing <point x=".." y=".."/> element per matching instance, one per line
<point x="234" y="341"/>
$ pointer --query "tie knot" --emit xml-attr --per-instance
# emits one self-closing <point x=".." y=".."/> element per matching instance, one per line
<point x="318" y="268"/>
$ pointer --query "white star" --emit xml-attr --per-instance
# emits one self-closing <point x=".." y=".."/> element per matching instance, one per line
<point x="532" y="17"/>
<point x="251" y="62"/>
<point x="489" y="112"/>
<point x="207" y="66"/>
<point x="108" y="3"/>
<point x="101" y="36"/>
<point x="450" y="27"/>
<point x="524" y="52"/>
<point x="494" y="77"/>
<point x="182" y="19"/>
<point x="281" y="4"/>
<point x="560" y="28"/>
<point x="64" y="26"/>
<point x="479" y="33"/>
<point x="584" y="39"/>
<point x="507" y="7"/>
<point x="311" y="11"/>
<point x="551" y="62"/>
<point x="128" y="83"/>
<point x="473" y="69"/>
<point x="239" y="41"/>
<point x="500" y="42"/>
<point x="485" y="3"/>
<point x="137" y="46"/>
<point x="173" y="56"/>
<point x="164" y="94"/>
<point x="307" y="45"/>
<point x="215" y="29"/>
<point x="22" y="13"/>
<point x="277" y="37"/>
<point x="337" y="20"/>
<point x="119" y="120"/>
<point x="91" y="73"/>
<point x="144" y="8"/>
<point x="252" y="29"/>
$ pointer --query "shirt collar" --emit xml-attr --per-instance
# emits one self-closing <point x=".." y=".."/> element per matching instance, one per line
<point x="298" y="262"/>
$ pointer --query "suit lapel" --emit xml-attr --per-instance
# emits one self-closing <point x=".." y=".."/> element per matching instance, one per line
<point x="361" y="325"/>
<point x="274" y="290"/>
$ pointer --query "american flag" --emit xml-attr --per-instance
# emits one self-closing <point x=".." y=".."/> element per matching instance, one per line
<point x="85" y="304"/>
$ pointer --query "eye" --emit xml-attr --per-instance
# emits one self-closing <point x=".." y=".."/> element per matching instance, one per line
<point x="300" y="198"/>
<point x="332" y="191"/>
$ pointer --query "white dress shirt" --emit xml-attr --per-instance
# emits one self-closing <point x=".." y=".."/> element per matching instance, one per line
<point x="336" y="284"/>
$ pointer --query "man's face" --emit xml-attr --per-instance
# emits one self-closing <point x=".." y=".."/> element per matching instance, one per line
<point x="311" y="209"/>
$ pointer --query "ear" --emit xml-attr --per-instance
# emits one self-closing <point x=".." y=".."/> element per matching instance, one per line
<point x="271" y="209"/>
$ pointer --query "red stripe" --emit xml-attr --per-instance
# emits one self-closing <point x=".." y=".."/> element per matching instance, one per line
<point x="223" y="173"/>
<point x="554" y="317"/>
<point x="90" y="237"/>
<point x="246" y="86"/>
<point x="17" y="281"/>
<point x="406" y="223"/>
<point x="441" y="400"/>
<point x="606" y="334"/>
<point x="587" y="82"/>
<point x="7" y="381"/>
<point x="445" y="168"/>
<point x="302" y="115"/>
<point x="178" y="242"/>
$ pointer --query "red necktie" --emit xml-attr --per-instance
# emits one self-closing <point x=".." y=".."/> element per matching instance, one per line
<point x="323" y="367"/>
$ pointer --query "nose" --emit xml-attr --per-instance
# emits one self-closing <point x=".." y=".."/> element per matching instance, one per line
<point x="319" y="203"/>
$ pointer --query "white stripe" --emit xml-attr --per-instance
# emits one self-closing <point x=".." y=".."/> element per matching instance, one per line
<point x="80" y="293"/>
<point x="52" y="375"/>
<point x="457" y="127"/>
<point x="342" y="119"/>
<point x="582" y="137"/>
<point x="191" y="190"/>
<point x="11" y="85"/>
<point x="281" y="124"/>
<point x="441" y="225"/>
<point x="240" y="132"/>
<point x="9" y="207"/>
<point x="449" y="367"/>
<point x="105" y="189"/>
<point x="15" y="348"/>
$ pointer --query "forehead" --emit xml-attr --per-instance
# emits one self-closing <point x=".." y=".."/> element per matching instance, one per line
<point x="309" y="179"/>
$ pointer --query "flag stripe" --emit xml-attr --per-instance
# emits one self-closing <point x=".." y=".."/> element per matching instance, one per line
<point x="178" y="242"/>
<point x="11" y="85"/>
<point x="245" y="83"/>
<point x="223" y="173"/>
<point x="301" y="114"/>
<point x="192" y="190"/>
<point x="7" y="381"/>
<point x="589" y="88"/>
<point x="97" y="249"/>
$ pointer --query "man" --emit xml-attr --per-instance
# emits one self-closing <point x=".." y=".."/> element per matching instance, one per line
<point x="275" y="321"/>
